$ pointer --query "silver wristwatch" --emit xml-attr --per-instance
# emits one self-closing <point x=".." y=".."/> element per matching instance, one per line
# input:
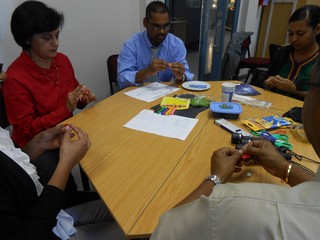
<point x="183" y="77"/>
<point x="215" y="179"/>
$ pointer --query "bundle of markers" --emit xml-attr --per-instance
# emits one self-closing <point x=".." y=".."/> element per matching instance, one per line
<point x="166" y="110"/>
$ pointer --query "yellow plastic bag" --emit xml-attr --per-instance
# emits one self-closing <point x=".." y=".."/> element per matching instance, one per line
<point x="179" y="103"/>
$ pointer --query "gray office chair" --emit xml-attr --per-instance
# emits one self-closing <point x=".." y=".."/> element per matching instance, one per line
<point x="253" y="63"/>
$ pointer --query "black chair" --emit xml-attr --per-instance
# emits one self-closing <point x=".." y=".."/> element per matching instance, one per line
<point x="273" y="48"/>
<point x="112" y="71"/>
<point x="253" y="63"/>
<point x="259" y="75"/>
<point x="4" y="123"/>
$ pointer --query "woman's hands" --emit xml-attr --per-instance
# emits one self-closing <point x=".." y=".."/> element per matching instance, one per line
<point x="81" y="96"/>
<point x="74" y="145"/>
<point x="45" y="140"/>
<point x="280" y="83"/>
<point x="3" y="75"/>
<point x="64" y="136"/>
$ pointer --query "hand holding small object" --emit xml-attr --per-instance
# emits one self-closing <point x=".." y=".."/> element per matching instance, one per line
<point x="158" y="65"/>
<point x="86" y="96"/>
<point x="177" y="70"/>
<point x="283" y="83"/>
<point x="74" y="97"/>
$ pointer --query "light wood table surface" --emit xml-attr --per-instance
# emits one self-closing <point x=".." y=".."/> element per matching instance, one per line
<point x="139" y="175"/>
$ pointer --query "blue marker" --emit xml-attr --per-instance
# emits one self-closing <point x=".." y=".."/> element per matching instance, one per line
<point x="197" y="86"/>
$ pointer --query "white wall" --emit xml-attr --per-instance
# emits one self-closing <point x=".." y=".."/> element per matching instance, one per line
<point x="249" y="21"/>
<point x="93" y="30"/>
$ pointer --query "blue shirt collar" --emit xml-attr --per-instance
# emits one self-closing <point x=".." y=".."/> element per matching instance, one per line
<point x="149" y="44"/>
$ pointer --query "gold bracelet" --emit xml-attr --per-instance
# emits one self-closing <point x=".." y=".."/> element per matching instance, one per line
<point x="288" y="173"/>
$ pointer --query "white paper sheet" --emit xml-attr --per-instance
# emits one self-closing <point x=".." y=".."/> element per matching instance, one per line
<point x="172" y="126"/>
<point x="151" y="92"/>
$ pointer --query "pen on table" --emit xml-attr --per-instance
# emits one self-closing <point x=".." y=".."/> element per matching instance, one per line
<point x="163" y="110"/>
<point x="166" y="109"/>
<point x="159" y="110"/>
<point x="173" y="110"/>
<point x="169" y="110"/>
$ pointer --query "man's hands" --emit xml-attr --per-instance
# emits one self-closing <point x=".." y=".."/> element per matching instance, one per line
<point x="177" y="70"/>
<point x="224" y="162"/>
<point x="158" y="65"/>
<point x="265" y="154"/>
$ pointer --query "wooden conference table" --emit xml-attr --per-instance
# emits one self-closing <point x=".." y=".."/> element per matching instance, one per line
<point x="139" y="175"/>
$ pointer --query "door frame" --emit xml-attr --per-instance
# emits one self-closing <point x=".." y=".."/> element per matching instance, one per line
<point x="217" y="49"/>
<point x="265" y="43"/>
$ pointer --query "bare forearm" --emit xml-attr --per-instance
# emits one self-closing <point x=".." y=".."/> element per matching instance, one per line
<point x="299" y="175"/>
<point x="300" y="93"/>
<point x="60" y="176"/>
<point x="143" y="75"/>
<point x="33" y="149"/>
<point x="205" y="188"/>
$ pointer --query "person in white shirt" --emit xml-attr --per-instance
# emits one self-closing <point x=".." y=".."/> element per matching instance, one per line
<point x="30" y="210"/>
<point x="220" y="210"/>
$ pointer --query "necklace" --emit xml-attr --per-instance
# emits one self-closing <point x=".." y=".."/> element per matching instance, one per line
<point x="56" y="81"/>
<point x="45" y="71"/>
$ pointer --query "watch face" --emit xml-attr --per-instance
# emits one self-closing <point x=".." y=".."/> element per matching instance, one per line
<point x="215" y="179"/>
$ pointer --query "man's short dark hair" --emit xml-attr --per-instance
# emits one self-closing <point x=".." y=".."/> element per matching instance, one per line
<point x="156" y="7"/>
<point x="32" y="17"/>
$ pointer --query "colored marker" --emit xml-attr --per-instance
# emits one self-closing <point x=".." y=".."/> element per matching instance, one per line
<point x="173" y="110"/>
<point x="163" y="112"/>
<point x="169" y="110"/>
<point x="158" y="109"/>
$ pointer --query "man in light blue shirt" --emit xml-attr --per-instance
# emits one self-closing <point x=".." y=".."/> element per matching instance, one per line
<point x="154" y="54"/>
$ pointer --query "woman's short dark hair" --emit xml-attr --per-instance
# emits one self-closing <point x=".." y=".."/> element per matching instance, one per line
<point x="32" y="17"/>
<point x="156" y="7"/>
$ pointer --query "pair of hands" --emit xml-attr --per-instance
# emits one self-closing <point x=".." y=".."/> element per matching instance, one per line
<point x="3" y="75"/>
<point x="158" y="65"/>
<point x="80" y="95"/>
<point x="226" y="161"/>
<point x="73" y="143"/>
<point x="280" y="83"/>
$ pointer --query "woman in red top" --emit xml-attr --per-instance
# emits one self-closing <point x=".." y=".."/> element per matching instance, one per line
<point x="41" y="89"/>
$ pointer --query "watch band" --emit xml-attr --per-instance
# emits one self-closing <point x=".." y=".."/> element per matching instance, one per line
<point x="182" y="80"/>
<point x="215" y="179"/>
